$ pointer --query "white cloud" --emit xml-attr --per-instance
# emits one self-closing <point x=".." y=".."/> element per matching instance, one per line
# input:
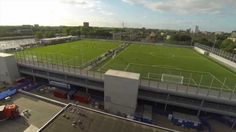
<point x="80" y="2"/>
<point x="95" y="6"/>
<point x="52" y="12"/>
<point x="135" y="1"/>
<point x="185" y="6"/>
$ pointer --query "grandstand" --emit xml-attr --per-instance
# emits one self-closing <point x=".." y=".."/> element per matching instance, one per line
<point x="15" y="45"/>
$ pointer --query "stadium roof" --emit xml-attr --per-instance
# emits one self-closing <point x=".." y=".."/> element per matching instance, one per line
<point x="5" y="55"/>
<point x="57" y="38"/>
<point x="81" y="119"/>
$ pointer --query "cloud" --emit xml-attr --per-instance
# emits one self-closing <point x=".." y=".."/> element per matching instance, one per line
<point x="95" y="6"/>
<point x="80" y="2"/>
<point x="84" y="3"/>
<point x="185" y="6"/>
<point x="133" y="2"/>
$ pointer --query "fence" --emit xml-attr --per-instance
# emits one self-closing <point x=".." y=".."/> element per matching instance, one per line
<point x="56" y="65"/>
<point x="195" y="79"/>
<point x="194" y="82"/>
<point x="219" y="52"/>
<point x="188" y="89"/>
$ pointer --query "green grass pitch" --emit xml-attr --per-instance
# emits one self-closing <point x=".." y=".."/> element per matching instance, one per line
<point x="73" y="53"/>
<point x="152" y="61"/>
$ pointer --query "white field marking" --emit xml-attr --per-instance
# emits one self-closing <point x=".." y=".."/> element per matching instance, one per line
<point x="160" y="74"/>
<point x="171" y="56"/>
<point x="194" y="81"/>
<point x="168" y="68"/>
<point x="156" y="78"/>
<point x="92" y="47"/>
<point x="197" y="71"/>
<point x="219" y="81"/>
<point x="127" y="67"/>
<point x="139" y="64"/>
<point x="112" y="59"/>
<point x="69" y="60"/>
<point x="104" y="65"/>
<point x="225" y="69"/>
<point x="96" y="58"/>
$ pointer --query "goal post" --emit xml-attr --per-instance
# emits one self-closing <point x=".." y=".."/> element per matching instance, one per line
<point x="172" y="78"/>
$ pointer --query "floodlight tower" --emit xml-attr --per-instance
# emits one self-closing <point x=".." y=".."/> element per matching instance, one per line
<point x="123" y="24"/>
<point x="214" y="43"/>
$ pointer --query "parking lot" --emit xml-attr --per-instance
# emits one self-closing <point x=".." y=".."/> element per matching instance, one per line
<point x="40" y="112"/>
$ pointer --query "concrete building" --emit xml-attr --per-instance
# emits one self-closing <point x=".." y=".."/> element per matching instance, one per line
<point x="84" y="119"/>
<point x="197" y="30"/>
<point x="233" y="36"/>
<point x="168" y="37"/>
<point x="86" y="24"/>
<point x="56" y="40"/>
<point x="152" y="35"/>
<point x="121" y="92"/>
<point x="16" y="45"/>
<point x="9" y="71"/>
<point x="219" y="33"/>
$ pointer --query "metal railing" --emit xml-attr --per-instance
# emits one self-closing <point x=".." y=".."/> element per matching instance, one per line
<point x="219" y="52"/>
<point x="189" y="86"/>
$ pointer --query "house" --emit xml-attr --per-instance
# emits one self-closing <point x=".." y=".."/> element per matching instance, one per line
<point x="233" y="36"/>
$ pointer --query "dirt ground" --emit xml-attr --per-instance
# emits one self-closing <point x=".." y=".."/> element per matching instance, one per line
<point x="40" y="112"/>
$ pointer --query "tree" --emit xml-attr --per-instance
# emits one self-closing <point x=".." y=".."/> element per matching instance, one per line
<point x="228" y="45"/>
<point x="205" y="41"/>
<point x="38" y="35"/>
<point x="181" y="37"/>
<point x="49" y="34"/>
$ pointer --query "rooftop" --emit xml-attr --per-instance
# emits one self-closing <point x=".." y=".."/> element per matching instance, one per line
<point x="5" y="54"/>
<point x="80" y="119"/>
<point x="40" y="112"/>
<point x="123" y="74"/>
<point x="58" y="38"/>
<point x="233" y="35"/>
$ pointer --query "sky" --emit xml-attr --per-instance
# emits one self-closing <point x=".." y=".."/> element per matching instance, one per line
<point x="210" y="15"/>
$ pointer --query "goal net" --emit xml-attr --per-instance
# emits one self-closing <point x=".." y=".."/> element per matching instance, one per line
<point x="172" y="78"/>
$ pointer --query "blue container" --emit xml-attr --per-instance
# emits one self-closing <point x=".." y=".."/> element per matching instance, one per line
<point x="97" y="98"/>
<point x="148" y="121"/>
<point x="138" y="118"/>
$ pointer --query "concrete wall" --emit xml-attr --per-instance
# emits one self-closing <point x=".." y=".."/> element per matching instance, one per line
<point x="3" y="71"/>
<point x="228" y="63"/>
<point x="201" y="51"/>
<point x="9" y="70"/>
<point x="120" y="94"/>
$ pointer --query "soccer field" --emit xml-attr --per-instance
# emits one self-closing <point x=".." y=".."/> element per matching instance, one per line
<point x="161" y="63"/>
<point x="74" y="53"/>
<point x="154" y="61"/>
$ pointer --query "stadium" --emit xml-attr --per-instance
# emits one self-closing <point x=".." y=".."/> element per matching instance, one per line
<point x="155" y="78"/>
<point x="160" y="62"/>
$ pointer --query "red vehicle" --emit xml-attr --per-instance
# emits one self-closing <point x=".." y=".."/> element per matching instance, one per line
<point x="82" y="97"/>
<point x="9" y="112"/>
<point x="60" y="93"/>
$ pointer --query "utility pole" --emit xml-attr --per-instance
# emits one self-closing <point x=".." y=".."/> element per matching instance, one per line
<point x="192" y="39"/>
<point x="214" y="44"/>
